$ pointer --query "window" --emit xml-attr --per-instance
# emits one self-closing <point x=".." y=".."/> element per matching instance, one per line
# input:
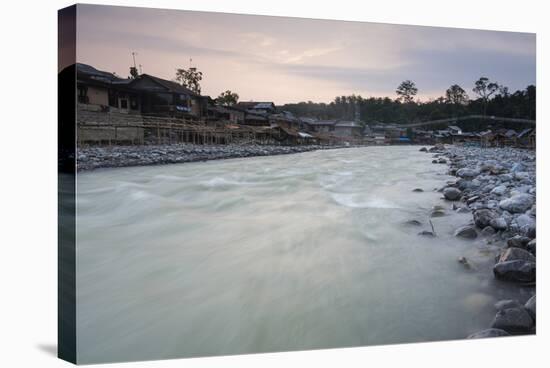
<point x="83" y="94"/>
<point x="133" y="103"/>
<point x="113" y="98"/>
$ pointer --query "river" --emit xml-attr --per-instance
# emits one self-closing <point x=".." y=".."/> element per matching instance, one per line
<point x="276" y="253"/>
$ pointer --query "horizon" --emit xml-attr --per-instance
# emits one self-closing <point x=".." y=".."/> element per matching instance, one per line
<point x="259" y="57"/>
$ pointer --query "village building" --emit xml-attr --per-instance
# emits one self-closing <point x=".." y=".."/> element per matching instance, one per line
<point x="226" y="113"/>
<point x="323" y="126"/>
<point x="103" y="91"/>
<point x="162" y="97"/>
<point x="257" y="107"/>
<point x="348" y="129"/>
<point x="453" y="129"/>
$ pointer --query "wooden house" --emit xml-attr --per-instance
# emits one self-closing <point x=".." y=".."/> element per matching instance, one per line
<point x="103" y="91"/>
<point x="161" y="97"/>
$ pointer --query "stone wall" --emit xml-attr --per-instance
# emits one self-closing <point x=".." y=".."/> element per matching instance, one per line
<point x="107" y="127"/>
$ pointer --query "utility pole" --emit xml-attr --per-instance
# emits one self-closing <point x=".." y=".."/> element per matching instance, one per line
<point x="134" y="57"/>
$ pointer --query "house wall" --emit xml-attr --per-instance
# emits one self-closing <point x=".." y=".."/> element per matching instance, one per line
<point x="97" y="96"/>
<point x="351" y="132"/>
<point x="323" y="128"/>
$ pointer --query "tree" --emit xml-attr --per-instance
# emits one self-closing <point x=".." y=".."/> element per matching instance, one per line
<point x="406" y="91"/>
<point x="456" y="95"/>
<point x="133" y="72"/>
<point x="227" y="98"/>
<point x="189" y="78"/>
<point x="485" y="89"/>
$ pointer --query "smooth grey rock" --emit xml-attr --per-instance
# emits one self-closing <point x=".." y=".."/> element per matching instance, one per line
<point x="525" y="221"/>
<point x="516" y="271"/>
<point x="499" y="190"/>
<point x="517" y="167"/>
<point x="437" y="213"/>
<point x="507" y="303"/>
<point x="518" y="203"/>
<point x="452" y="194"/>
<point x="532" y="246"/>
<point x="483" y="217"/>
<point x="513" y="320"/>
<point x="498" y="223"/>
<point x="488" y="231"/>
<point x="490" y="332"/>
<point x="426" y="233"/>
<point x="423" y="149"/>
<point x="418" y="190"/>
<point x="467" y="173"/>
<point x="467" y="232"/>
<point x="512" y="254"/>
<point x="531" y="306"/>
<point x="518" y="241"/>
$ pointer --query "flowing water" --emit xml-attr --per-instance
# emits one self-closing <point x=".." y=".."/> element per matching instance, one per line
<point x="275" y="253"/>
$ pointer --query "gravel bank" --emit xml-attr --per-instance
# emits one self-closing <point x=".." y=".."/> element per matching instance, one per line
<point x="498" y="186"/>
<point x="90" y="158"/>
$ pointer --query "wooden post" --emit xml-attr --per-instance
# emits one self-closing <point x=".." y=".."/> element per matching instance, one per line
<point x="158" y="133"/>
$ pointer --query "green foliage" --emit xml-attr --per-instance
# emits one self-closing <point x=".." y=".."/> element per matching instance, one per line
<point x="485" y="89"/>
<point x="406" y="91"/>
<point x="189" y="78"/>
<point x="456" y="95"/>
<point x="133" y="72"/>
<point x="520" y="104"/>
<point x="227" y="98"/>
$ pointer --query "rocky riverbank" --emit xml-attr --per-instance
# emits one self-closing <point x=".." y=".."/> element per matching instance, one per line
<point x="90" y="158"/>
<point x="498" y="186"/>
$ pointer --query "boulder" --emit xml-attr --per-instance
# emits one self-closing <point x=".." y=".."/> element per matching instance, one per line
<point x="531" y="307"/>
<point x="488" y="231"/>
<point x="490" y="332"/>
<point x="499" y="190"/>
<point x="498" y="223"/>
<point x="418" y="190"/>
<point x="525" y="222"/>
<point x="518" y="241"/>
<point x="426" y="233"/>
<point x="467" y="173"/>
<point x="437" y="148"/>
<point x="483" y="217"/>
<point x="518" y="203"/>
<point x="532" y="246"/>
<point x="467" y="232"/>
<point x="413" y="222"/>
<point x="452" y="194"/>
<point x="463" y="261"/>
<point x="516" y="271"/>
<point x="423" y="149"/>
<point x="517" y="167"/>
<point x="437" y="213"/>
<point x="513" y="320"/>
<point x="507" y="303"/>
<point x="513" y="254"/>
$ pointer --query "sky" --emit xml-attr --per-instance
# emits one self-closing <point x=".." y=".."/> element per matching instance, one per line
<point x="286" y="60"/>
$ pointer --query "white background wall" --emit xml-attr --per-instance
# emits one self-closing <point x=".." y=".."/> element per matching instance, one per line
<point x="29" y="192"/>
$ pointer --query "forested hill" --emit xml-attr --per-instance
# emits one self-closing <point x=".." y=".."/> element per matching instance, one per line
<point x="519" y="104"/>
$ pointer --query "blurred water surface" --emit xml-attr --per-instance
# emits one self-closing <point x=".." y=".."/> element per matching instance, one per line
<point x="273" y="253"/>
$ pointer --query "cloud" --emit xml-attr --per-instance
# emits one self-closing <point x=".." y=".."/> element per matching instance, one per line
<point x="290" y="59"/>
